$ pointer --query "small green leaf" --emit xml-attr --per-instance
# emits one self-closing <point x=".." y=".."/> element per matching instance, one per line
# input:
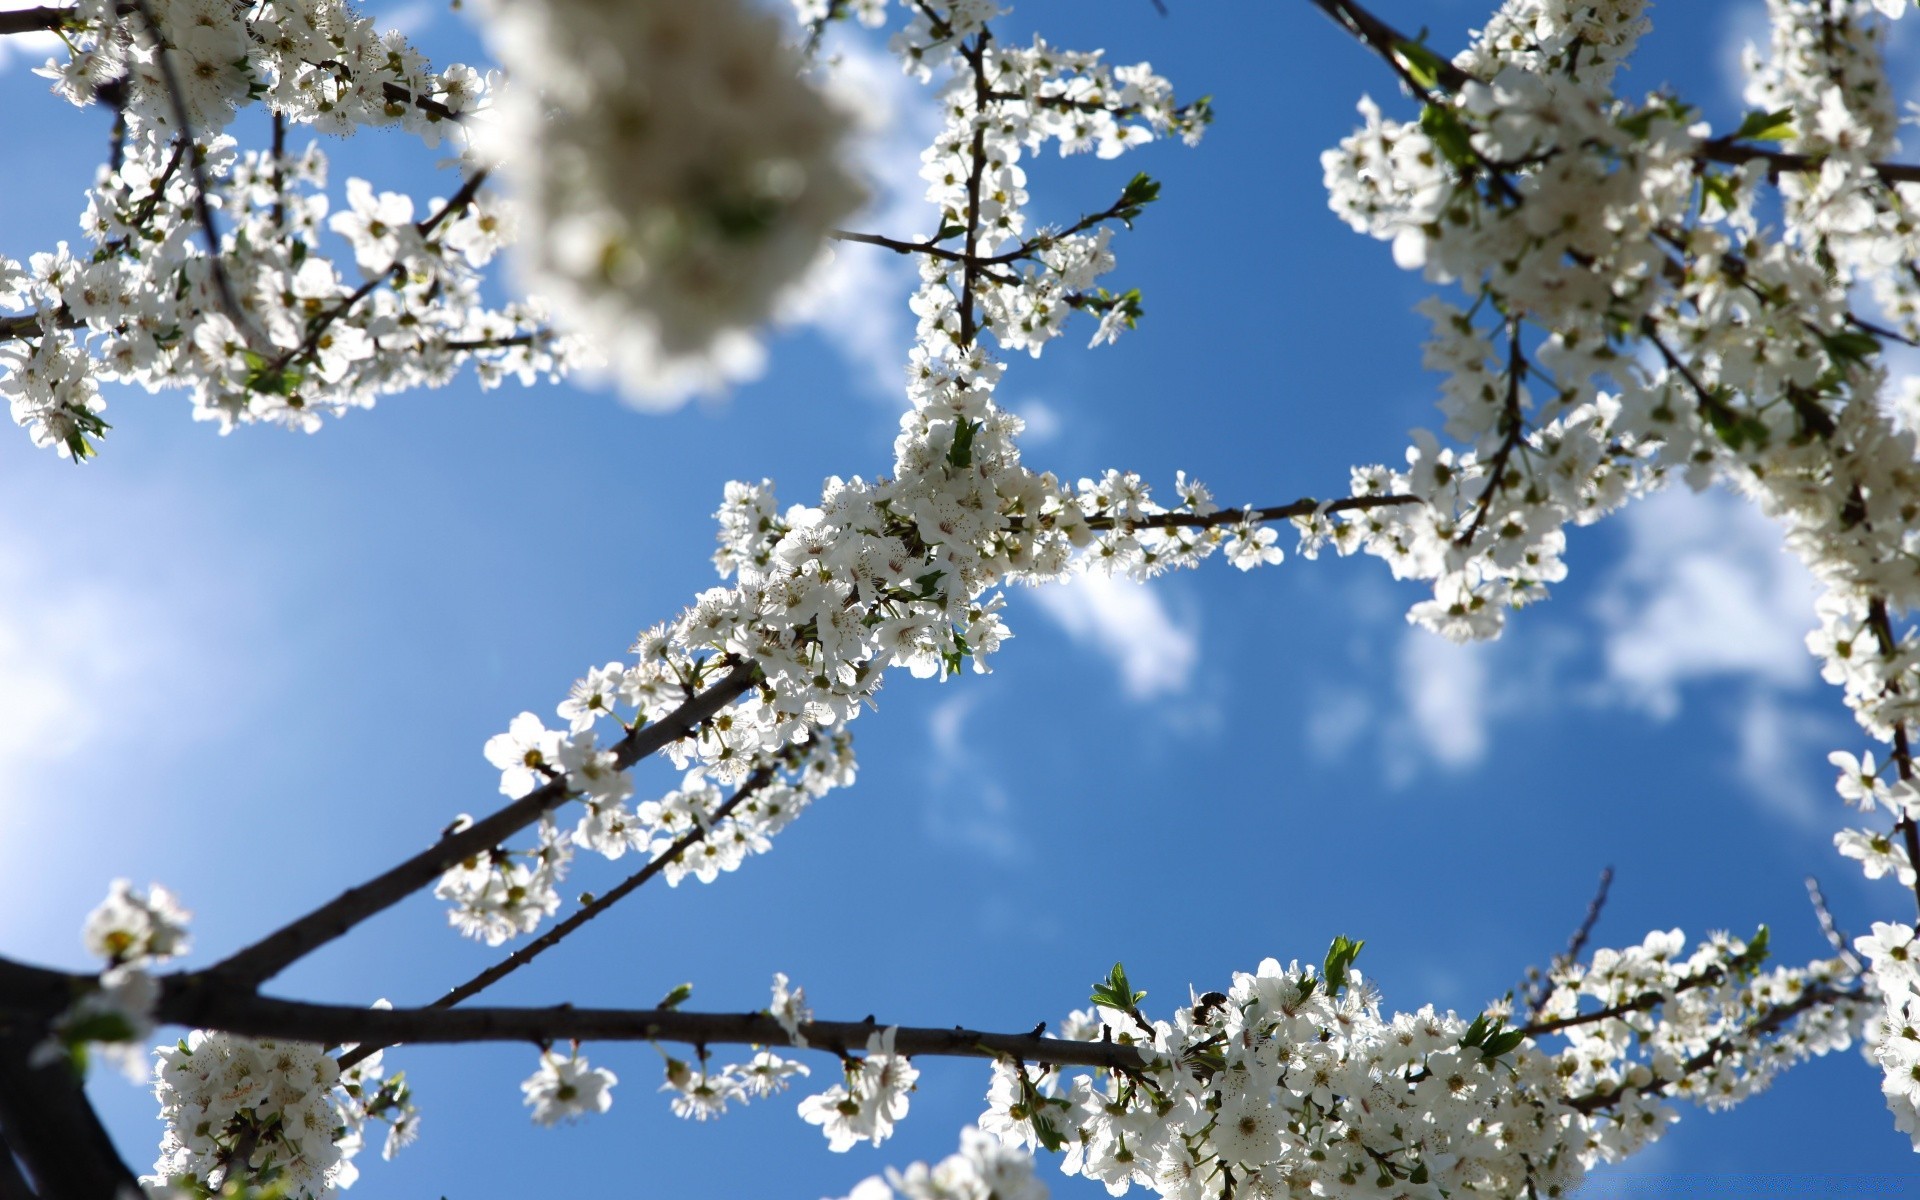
<point x="960" y="454"/>
<point x="1424" y="65"/>
<point x="676" y="997"/>
<point x="1758" y="126"/>
<point x="1340" y="958"/>
<point x="1116" y="991"/>
<point x="1502" y="1043"/>
<point x="1443" y="127"/>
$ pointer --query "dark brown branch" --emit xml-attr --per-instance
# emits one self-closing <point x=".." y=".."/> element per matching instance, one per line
<point x="396" y="94"/>
<point x="553" y="937"/>
<point x="1513" y="433"/>
<point x="1776" y="1018"/>
<point x="1882" y="626"/>
<point x="202" y="1004"/>
<point x="247" y="969"/>
<point x="202" y="206"/>
<point x="1304" y="507"/>
<point x="49" y="1124"/>
<point x="1830" y="929"/>
<point x="1575" y="944"/>
<point x="1384" y="40"/>
<point x="500" y="343"/>
<point x="1733" y="152"/>
<point x="976" y="57"/>
<point x="32" y="996"/>
<point x="34" y="20"/>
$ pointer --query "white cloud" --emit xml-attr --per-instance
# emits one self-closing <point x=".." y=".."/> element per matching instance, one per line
<point x="964" y="805"/>
<point x="1129" y="624"/>
<point x="1782" y="758"/>
<point x="1705" y="590"/>
<point x="1443" y="688"/>
<point x="857" y="298"/>
<point x="31" y="49"/>
<point x="946" y="723"/>
<point x="1043" y="422"/>
<point x="1743" y="25"/>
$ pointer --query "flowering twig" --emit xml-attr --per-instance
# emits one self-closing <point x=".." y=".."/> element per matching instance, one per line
<point x="1575" y="944"/>
<point x="626" y="887"/>
<point x="1829" y="928"/>
<point x="254" y="965"/>
<point x="202" y="207"/>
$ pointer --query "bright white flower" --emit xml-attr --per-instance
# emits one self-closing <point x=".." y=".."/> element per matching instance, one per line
<point x="567" y="1088"/>
<point x="524" y="754"/>
<point x="789" y="1007"/>
<point x="136" y="927"/>
<point x="676" y="177"/>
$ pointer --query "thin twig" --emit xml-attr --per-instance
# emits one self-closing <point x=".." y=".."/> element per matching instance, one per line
<point x="553" y="937"/>
<point x="1830" y="929"/>
<point x="1575" y="944"/>
<point x="246" y="969"/>
<point x="202" y="206"/>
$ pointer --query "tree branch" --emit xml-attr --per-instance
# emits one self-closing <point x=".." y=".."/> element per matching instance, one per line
<point x="49" y="1124"/>
<point x="195" y="1001"/>
<point x="248" y="968"/>
<point x="1575" y="944"/>
<point x="202" y="207"/>
<point x="1728" y="150"/>
<point x="34" y="20"/>
<point x="553" y="937"/>
<point x="1813" y="997"/>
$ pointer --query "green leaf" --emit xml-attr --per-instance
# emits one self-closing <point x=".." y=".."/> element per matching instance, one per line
<point x="1502" y="1043"/>
<point x="950" y="231"/>
<point x="1718" y="188"/>
<point x="1116" y="991"/>
<point x="1758" y="126"/>
<point x="676" y="997"/>
<point x="1443" y="127"/>
<point x="1850" y="345"/>
<point x="960" y="454"/>
<point x="1424" y="65"/>
<point x="1139" y="192"/>
<point x="1340" y="958"/>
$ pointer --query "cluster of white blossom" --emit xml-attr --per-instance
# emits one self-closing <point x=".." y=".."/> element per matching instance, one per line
<point x="870" y="1100"/>
<point x="262" y="1111"/>
<point x="315" y="62"/>
<point x="985" y="1168"/>
<point x="133" y="931"/>
<point x="1292" y="1082"/>
<point x="271" y="329"/>
<point x="567" y="1088"/>
<point x="1626" y="237"/>
<point x="675" y="173"/>
<point x="696" y="829"/>
<point x="705" y="1093"/>
<point x="1825" y="91"/>
<point x="892" y="572"/>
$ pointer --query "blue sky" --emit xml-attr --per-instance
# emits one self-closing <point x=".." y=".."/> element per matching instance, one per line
<point x="261" y="667"/>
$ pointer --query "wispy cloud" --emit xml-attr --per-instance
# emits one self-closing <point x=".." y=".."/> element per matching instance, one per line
<point x="29" y="49"/>
<point x="1443" y="696"/>
<point x="857" y="298"/>
<point x="1130" y="625"/>
<point x="1743" y="25"/>
<point x="1781" y="757"/>
<point x="1043" y="421"/>
<point x="1705" y="591"/>
<point x="964" y="805"/>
